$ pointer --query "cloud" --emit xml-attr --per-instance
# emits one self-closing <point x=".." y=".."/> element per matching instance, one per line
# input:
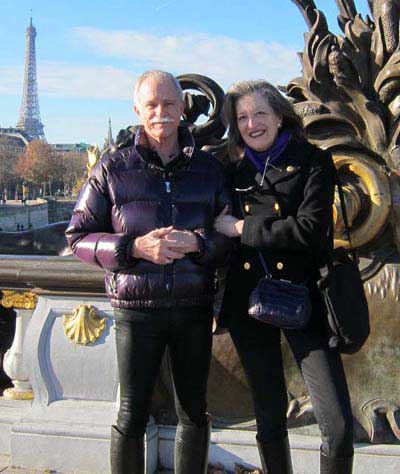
<point x="222" y="58"/>
<point x="65" y="80"/>
<point x="11" y="80"/>
<point x="56" y="79"/>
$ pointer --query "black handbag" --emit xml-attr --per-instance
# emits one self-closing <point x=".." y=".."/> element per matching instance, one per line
<point x="343" y="292"/>
<point x="280" y="303"/>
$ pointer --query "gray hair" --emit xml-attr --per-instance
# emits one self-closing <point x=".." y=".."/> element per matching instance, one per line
<point x="160" y="75"/>
<point x="279" y="104"/>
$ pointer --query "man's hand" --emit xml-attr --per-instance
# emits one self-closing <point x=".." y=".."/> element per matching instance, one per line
<point x="155" y="248"/>
<point x="182" y="241"/>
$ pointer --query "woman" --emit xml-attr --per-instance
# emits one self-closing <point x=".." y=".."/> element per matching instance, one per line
<point x="286" y="217"/>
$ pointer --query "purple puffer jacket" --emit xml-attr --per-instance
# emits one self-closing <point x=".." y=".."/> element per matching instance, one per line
<point x="127" y="196"/>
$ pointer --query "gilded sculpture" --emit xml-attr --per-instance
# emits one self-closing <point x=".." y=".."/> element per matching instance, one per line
<point x="84" y="326"/>
<point x="19" y="300"/>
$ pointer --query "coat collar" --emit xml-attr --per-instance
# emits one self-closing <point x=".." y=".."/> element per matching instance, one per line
<point x="294" y="160"/>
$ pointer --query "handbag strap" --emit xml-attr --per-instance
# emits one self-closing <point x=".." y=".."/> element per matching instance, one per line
<point x="337" y="182"/>
<point x="260" y="256"/>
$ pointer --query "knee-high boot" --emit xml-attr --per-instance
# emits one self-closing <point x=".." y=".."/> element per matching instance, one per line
<point x="330" y="465"/>
<point x="275" y="456"/>
<point x="126" y="454"/>
<point x="191" y="449"/>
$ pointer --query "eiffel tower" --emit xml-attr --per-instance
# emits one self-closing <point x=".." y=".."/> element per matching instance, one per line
<point x="29" y="118"/>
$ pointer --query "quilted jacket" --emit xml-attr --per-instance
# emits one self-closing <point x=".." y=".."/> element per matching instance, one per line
<point x="131" y="193"/>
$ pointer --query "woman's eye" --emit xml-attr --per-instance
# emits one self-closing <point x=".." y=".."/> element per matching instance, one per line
<point x="240" y="119"/>
<point x="261" y="112"/>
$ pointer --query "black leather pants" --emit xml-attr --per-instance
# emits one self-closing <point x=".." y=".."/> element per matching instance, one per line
<point x="141" y="338"/>
<point x="259" y="348"/>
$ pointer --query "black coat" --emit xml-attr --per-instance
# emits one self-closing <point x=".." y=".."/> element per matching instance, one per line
<point x="287" y="220"/>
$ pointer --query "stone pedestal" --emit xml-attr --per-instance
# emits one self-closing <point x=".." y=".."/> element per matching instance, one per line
<point x="67" y="425"/>
<point x="14" y="364"/>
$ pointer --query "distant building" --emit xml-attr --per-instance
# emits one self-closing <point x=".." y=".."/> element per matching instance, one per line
<point x="13" y="141"/>
<point x="70" y="147"/>
<point x="109" y="140"/>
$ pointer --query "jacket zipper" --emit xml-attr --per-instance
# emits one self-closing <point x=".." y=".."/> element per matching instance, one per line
<point x="114" y="283"/>
<point x="168" y="270"/>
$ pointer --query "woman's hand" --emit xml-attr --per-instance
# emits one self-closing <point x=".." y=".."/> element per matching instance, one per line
<point x="228" y="225"/>
<point x="155" y="248"/>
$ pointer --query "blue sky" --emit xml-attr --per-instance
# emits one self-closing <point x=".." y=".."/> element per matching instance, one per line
<point x="89" y="53"/>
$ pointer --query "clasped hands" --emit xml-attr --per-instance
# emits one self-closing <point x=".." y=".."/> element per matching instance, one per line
<point x="163" y="246"/>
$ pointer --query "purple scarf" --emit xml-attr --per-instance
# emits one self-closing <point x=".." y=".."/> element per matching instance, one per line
<point x="274" y="154"/>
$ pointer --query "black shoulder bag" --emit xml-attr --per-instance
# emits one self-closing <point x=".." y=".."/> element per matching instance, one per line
<point x="280" y="303"/>
<point x="343" y="291"/>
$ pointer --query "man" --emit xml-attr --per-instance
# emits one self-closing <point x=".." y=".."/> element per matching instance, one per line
<point x="146" y="216"/>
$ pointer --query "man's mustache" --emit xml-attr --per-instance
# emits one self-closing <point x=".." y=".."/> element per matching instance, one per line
<point x="162" y="120"/>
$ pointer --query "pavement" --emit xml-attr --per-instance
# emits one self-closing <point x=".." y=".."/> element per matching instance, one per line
<point x="5" y="468"/>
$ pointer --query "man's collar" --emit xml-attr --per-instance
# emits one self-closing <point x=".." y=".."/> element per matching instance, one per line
<point x="185" y="139"/>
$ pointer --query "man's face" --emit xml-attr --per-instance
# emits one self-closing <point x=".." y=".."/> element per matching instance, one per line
<point x="159" y="108"/>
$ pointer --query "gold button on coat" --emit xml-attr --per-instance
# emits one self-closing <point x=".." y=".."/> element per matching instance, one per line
<point x="290" y="169"/>
<point x="247" y="266"/>
<point x="279" y="265"/>
<point x="276" y="206"/>
<point x="247" y="208"/>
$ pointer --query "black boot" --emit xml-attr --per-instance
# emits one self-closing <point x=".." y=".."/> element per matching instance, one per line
<point x="275" y="456"/>
<point x="191" y="449"/>
<point x="336" y="465"/>
<point x="126" y="454"/>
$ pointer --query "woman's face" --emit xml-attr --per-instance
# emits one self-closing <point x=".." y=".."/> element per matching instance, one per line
<point x="258" y="124"/>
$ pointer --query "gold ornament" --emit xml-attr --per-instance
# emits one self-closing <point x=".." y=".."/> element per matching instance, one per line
<point x="93" y="158"/>
<point x="13" y="299"/>
<point x="84" y="325"/>
<point x="13" y="394"/>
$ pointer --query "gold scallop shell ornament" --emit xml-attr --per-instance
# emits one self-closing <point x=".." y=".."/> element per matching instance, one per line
<point x="84" y="325"/>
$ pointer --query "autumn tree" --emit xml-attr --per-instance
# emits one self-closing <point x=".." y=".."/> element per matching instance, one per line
<point x="39" y="165"/>
<point x="74" y="169"/>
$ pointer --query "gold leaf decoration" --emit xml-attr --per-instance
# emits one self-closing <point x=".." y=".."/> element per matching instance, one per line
<point x="13" y="299"/>
<point x="14" y="394"/>
<point x="93" y="157"/>
<point x="84" y="325"/>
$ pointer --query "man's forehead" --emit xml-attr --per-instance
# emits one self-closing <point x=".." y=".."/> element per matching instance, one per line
<point x="158" y="87"/>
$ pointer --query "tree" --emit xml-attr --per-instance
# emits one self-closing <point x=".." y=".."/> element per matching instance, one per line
<point x="74" y="169"/>
<point x="39" y="165"/>
<point x="7" y="171"/>
<point x="8" y="158"/>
